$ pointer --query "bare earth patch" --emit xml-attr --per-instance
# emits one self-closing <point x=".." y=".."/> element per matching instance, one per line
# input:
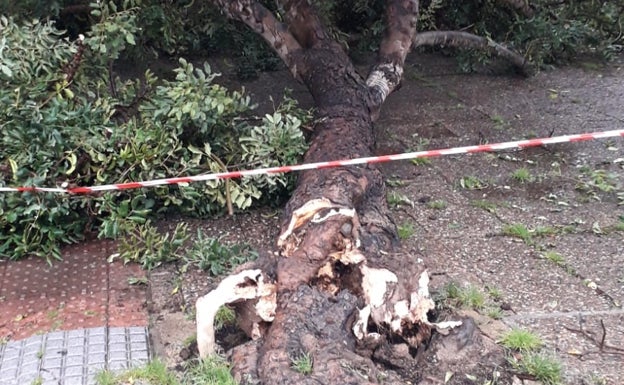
<point x="564" y="279"/>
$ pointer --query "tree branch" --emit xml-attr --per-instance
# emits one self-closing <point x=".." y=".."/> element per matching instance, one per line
<point x="467" y="40"/>
<point x="263" y="22"/>
<point x="304" y="23"/>
<point x="401" y="17"/>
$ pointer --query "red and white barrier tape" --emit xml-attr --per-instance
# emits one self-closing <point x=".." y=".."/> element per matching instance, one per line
<point x="321" y="165"/>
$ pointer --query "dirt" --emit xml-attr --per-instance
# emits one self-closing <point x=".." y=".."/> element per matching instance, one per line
<point x="573" y="194"/>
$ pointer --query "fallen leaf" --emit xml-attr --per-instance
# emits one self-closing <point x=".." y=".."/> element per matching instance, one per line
<point x="575" y="352"/>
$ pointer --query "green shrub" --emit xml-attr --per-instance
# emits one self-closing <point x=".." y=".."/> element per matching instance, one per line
<point x="65" y="123"/>
<point x="210" y="254"/>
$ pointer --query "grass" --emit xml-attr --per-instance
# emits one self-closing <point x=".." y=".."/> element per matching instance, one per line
<point x="211" y="254"/>
<point x="469" y="296"/>
<point x="499" y="122"/>
<point x="405" y="230"/>
<point x="590" y="182"/>
<point x="472" y="183"/>
<point x="521" y="231"/>
<point x="542" y="231"/>
<point x="522" y="175"/>
<point x="472" y="297"/>
<point x="211" y="371"/>
<point x="555" y="258"/>
<point x="420" y="161"/>
<point x="494" y="312"/>
<point x="484" y="205"/>
<point x="395" y="200"/>
<point x="393" y="182"/>
<point x="521" y="340"/>
<point x="495" y="293"/>
<point x="518" y="230"/>
<point x="302" y="364"/>
<point x="422" y="145"/>
<point x="190" y="340"/>
<point x="595" y="379"/>
<point x="154" y="372"/>
<point x="225" y="316"/>
<point x="437" y="205"/>
<point x="543" y="368"/>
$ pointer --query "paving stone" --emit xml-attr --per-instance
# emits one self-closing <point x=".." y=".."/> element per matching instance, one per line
<point x="50" y="377"/>
<point x="24" y="379"/>
<point x="78" y="380"/>
<point x="58" y="358"/>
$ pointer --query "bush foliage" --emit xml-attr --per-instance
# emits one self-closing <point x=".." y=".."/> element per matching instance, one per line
<point x="65" y="123"/>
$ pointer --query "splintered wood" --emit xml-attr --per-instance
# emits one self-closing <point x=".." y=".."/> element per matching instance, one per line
<point x="386" y="305"/>
<point x="245" y="286"/>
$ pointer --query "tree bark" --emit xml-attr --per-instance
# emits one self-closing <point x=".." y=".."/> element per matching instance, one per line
<point x="341" y="295"/>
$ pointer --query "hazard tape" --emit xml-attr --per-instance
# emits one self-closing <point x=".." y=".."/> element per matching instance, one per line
<point x="324" y="165"/>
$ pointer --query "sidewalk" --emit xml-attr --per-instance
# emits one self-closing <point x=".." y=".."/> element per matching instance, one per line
<point x="62" y="324"/>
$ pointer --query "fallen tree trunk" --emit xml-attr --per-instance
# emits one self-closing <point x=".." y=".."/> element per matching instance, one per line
<point x="336" y="292"/>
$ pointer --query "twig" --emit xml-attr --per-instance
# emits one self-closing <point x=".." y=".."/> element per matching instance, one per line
<point x="602" y="346"/>
<point x="604" y="334"/>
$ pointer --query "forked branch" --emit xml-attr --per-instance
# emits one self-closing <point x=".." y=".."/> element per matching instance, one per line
<point x="304" y="23"/>
<point x="263" y="22"/>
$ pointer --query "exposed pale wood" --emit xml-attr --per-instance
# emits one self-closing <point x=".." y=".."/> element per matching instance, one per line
<point x="385" y="77"/>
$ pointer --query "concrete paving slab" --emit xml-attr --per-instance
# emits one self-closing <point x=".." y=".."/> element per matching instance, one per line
<point x="73" y="357"/>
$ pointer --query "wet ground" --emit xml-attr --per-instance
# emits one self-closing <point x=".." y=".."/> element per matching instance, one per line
<point x="569" y="197"/>
<point x="465" y="215"/>
<point x="542" y="226"/>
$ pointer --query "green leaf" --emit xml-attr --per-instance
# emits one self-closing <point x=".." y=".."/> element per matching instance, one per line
<point x="13" y="165"/>
<point x="6" y="70"/>
<point x="130" y="39"/>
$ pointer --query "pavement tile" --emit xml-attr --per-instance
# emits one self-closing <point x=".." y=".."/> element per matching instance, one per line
<point x="77" y="358"/>
<point x="58" y="322"/>
<point x="82" y="291"/>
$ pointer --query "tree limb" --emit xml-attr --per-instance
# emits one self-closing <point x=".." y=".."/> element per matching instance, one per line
<point x="303" y="22"/>
<point x="458" y="39"/>
<point x="263" y="22"/>
<point x="401" y="18"/>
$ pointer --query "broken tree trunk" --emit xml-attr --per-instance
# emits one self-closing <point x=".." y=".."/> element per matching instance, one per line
<point x="337" y="292"/>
